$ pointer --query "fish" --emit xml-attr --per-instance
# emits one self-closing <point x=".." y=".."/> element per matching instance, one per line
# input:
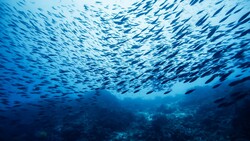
<point x="193" y="79"/>
<point x="216" y="86"/>
<point x="189" y="91"/>
<point x="200" y="12"/>
<point x="218" y="11"/>
<point x="211" y="78"/>
<point x="225" y="18"/>
<point x="167" y="92"/>
<point x="243" y="17"/>
<point x="244" y="33"/>
<point x="240" y="96"/>
<point x="219" y="100"/>
<point x="213" y="30"/>
<point x="225" y="104"/>
<point x="136" y="91"/>
<point x="224" y="76"/>
<point x="149" y="92"/>
<point x="124" y="92"/>
<point x="193" y="2"/>
<point x="232" y="9"/>
<point x="235" y="94"/>
<point x="217" y="37"/>
<point x="237" y="82"/>
<point x="202" y="20"/>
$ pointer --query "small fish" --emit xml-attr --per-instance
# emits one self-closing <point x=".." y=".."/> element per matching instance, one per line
<point x="239" y="97"/>
<point x="149" y="92"/>
<point x="189" y="91"/>
<point x="211" y="78"/>
<point x="212" y="31"/>
<point x="218" y="2"/>
<point x="193" y="2"/>
<point x="216" y="86"/>
<point x="244" y="33"/>
<point x="225" y="104"/>
<point x="193" y="79"/>
<point x="225" y="18"/>
<point x="243" y="17"/>
<point x="224" y="76"/>
<point x="234" y="94"/>
<point x="239" y="54"/>
<point x="199" y="12"/>
<point x="136" y="91"/>
<point x="219" y="100"/>
<point x="124" y="91"/>
<point x="202" y="20"/>
<point x="217" y="37"/>
<point x="230" y="10"/>
<point x="167" y="92"/>
<point x="218" y="11"/>
<point x="63" y="71"/>
<point x="234" y="83"/>
<point x="121" y="83"/>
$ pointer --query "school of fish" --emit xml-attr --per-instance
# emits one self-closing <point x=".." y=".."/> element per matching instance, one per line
<point x="152" y="44"/>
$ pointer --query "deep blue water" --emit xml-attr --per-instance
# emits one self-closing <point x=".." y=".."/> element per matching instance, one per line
<point x="139" y="70"/>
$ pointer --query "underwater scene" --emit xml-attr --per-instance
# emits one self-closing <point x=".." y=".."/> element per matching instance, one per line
<point x="125" y="70"/>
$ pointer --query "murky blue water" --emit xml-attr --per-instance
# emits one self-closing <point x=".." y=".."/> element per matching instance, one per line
<point x="136" y="70"/>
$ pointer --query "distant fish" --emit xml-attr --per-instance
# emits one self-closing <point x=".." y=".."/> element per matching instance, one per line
<point x="189" y="91"/>
<point x="218" y="11"/>
<point x="234" y="83"/>
<point x="230" y="10"/>
<point x="202" y="20"/>
<point x="244" y="33"/>
<point x="211" y="78"/>
<point x="243" y="17"/>
<point x="225" y="18"/>
<point x="136" y="91"/>
<point x="213" y="30"/>
<point x="219" y="100"/>
<point x="200" y="12"/>
<point x="224" y="76"/>
<point x="193" y="2"/>
<point x="225" y="104"/>
<point x="193" y="79"/>
<point x="241" y="96"/>
<point x="217" y="37"/>
<point x="149" y="92"/>
<point x="124" y="92"/>
<point x="167" y="92"/>
<point x="218" y="2"/>
<point x="234" y="94"/>
<point x="216" y="86"/>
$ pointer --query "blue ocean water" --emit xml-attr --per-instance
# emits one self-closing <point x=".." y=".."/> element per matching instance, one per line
<point x="138" y="70"/>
